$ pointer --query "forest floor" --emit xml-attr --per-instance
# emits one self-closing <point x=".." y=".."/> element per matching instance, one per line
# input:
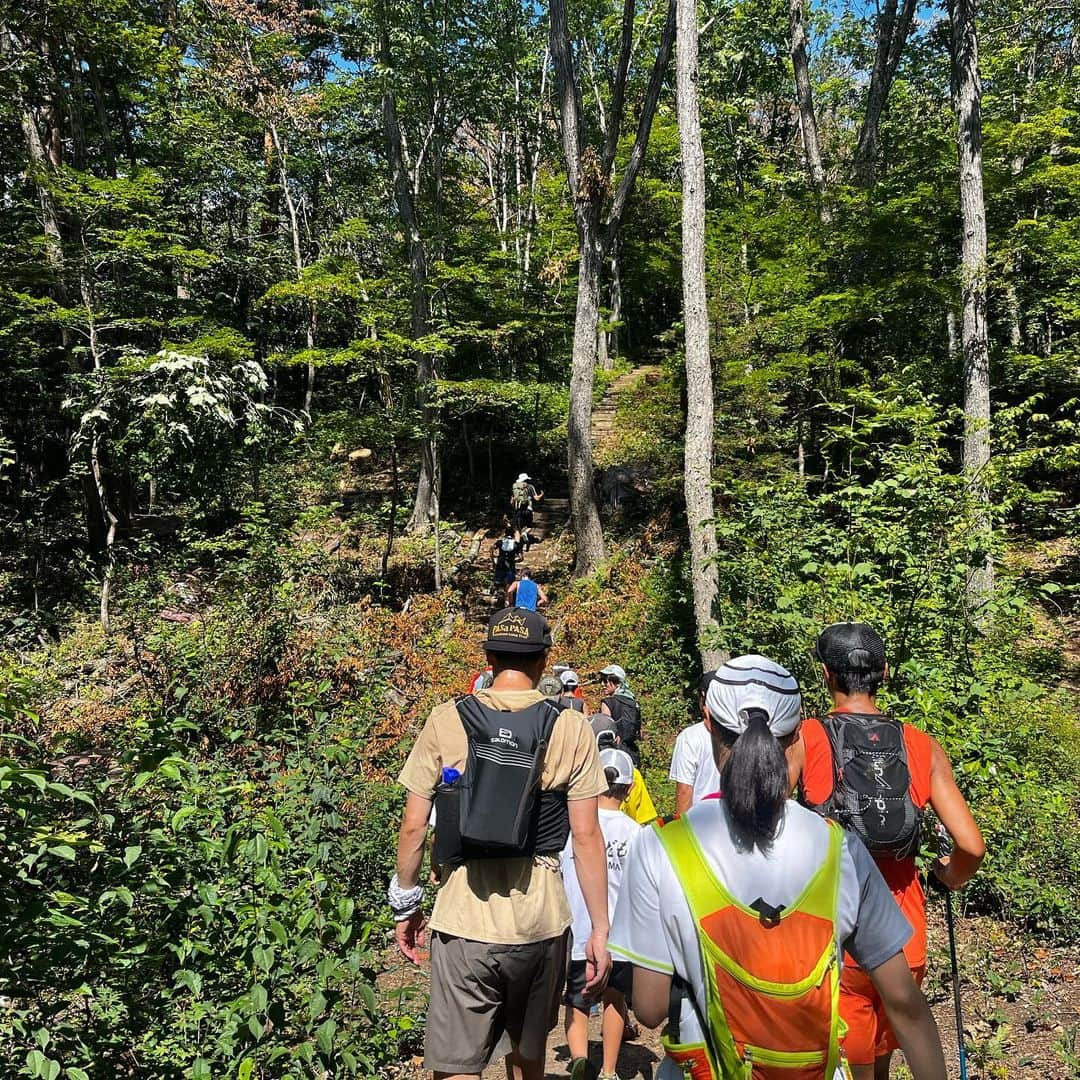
<point x="1021" y="1001"/>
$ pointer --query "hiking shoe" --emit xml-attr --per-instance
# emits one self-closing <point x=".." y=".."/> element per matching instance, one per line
<point x="608" y="1076"/>
<point x="583" y="1069"/>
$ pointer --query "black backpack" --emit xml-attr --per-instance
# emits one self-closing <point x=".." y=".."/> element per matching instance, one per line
<point x="872" y="783"/>
<point x="496" y="810"/>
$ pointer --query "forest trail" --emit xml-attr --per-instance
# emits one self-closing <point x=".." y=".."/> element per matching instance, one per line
<point x="603" y="418"/>
<point x="551" y="517"/>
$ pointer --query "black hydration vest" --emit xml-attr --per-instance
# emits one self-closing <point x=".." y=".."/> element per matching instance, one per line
<point x="495" y="809"/>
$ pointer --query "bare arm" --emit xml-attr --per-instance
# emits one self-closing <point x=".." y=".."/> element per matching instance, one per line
<point x="652" y="991"/>
<point x="955" y="870"/>
<point x="511" y="592"/>
<point x="910" y="1017"/>
<point x="684" y="794"/>
<point x="590" y="862"/>
<point x="541" y="596"/>
<point x="410" y="854"/>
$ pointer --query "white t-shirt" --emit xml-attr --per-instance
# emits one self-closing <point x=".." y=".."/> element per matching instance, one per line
<point x="619" y="830"/>
<point x="692" y="762"/>
<point x="654" y="929"/>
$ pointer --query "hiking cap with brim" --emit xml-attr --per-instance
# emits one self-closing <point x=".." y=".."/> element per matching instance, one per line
<point x="603" y="728"/>
<point x="524" y="476"/>
<point x="621" y="762"/>
<point x="850" y="646"/>
<point x="569" y="679"/>
<point x="754" y="682"/>
<point x="614" y="671"/>
<point x="517" y="630"/>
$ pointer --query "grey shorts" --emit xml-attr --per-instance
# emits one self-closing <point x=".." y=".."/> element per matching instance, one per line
<point x="481" y="991"/>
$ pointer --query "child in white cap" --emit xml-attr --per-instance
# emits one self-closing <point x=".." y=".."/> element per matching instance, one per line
<point x="619" y="832"/>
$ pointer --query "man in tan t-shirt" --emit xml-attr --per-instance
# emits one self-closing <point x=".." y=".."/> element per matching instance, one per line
<point x="498" y="948"/>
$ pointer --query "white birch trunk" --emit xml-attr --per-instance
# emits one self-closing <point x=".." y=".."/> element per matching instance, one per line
<point x="698" y="453"/>
<point x="974" y="336"/>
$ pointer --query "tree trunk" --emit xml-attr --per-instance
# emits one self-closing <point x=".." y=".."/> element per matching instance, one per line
<point x="616" y="296"/>
<point x="698" y="451"/>
<point x="298" y="259"/>
<point x="584" y="510"/>
<point x="974" y="338"/>
<point x="804" y="97"/>
<point x="892" y="33"/>
<point x="423" y="513"/>
<point x="590" y="177"/>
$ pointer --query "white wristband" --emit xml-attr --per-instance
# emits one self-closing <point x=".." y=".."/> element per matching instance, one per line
<point x="404" y="903"/>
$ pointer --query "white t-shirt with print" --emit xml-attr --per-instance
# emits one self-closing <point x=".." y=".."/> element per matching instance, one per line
<point x="654" y="929"/>
<point x="619" y="831"/>
<point x="692" y="762"/>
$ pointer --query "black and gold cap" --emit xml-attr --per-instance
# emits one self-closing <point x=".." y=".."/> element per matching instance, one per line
<point x="517" y="630"/>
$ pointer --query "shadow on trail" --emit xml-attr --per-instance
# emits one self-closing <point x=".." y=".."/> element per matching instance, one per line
<point x="635" y="1060"/>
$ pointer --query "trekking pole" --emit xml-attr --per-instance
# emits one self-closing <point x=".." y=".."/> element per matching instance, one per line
<point x="945" y="847"/>
<point x="956" y="986"/>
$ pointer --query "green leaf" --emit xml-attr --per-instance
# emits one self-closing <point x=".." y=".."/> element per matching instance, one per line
<point x="63" y="851"/>
<point x="259" y="997"/>
<point x="247" y="1067"/>
<point x="191" y="979"/>
<point x="200" y="1070"/>
<point x="73" y="1073"/>
<point x="131" y="855"/>
<point x="324" y="1036"/>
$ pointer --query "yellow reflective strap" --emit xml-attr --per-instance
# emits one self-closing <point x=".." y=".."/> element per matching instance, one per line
<point x="704" y="893"/>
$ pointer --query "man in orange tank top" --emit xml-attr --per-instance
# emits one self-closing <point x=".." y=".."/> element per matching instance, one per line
<point x="852" y="656"/>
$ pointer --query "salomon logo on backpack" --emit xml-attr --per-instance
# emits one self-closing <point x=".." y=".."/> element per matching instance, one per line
<point x="872" y="783"/>
<point x="496" y="809"/>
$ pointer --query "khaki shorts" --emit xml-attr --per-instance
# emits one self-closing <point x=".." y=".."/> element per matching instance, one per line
<point x="480" y="991"/>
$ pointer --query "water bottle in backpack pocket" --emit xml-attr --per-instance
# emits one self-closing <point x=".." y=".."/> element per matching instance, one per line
<point x="872" y="783"/>
<point x="496" y="809"/>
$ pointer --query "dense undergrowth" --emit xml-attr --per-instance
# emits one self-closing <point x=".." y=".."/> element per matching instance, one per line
<point x="198" y="809"/>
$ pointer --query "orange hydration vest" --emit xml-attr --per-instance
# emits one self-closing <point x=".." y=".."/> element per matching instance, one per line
<point x="772" y="985"/>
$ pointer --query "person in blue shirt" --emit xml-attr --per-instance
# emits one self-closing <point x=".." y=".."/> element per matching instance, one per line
<point x="526" y="593"/>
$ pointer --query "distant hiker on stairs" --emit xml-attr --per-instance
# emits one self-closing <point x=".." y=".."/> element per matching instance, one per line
<point x="523" y="495"/>
<point x="526" y="593"/>
<point x="504" y="555"/>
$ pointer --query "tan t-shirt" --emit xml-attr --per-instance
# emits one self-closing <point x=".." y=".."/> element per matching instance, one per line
<point x="505" y="901"/>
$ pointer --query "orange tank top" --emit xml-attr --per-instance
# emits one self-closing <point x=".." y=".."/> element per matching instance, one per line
<point x="901" y="875"/>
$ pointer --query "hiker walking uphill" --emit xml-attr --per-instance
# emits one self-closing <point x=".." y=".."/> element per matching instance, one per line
<point x="504" y="556"/>
<point x="619" y="832"/>
<point x="526" y="593"/>
<point x="876" y="777"/>
<point x="692" y="766"/>
<point x="523" y="496"/>
<point x="498" y="947"/>
<point x="620" y="704"/>
<point x="745" y="902"/>
<point x="638" y="803"/>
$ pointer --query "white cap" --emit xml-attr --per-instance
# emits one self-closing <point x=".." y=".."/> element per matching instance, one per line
<point x="524" y="476"/>
<point x="754" y="682"/>
<point x="621" y="762"/>
<point x="569" y="678"/>
<point x="614" y="671"/>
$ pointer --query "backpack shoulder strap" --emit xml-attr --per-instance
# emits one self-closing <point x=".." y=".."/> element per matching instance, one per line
<point x="919" y="750"/>
<point x="821" y="742"/>
<point x="704" y="892"/>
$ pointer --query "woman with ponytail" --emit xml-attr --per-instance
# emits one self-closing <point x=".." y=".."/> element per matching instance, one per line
<point x="736" y="914"/>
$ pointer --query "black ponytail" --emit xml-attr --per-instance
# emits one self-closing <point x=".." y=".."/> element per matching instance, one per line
<point x="755" y="781"/>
